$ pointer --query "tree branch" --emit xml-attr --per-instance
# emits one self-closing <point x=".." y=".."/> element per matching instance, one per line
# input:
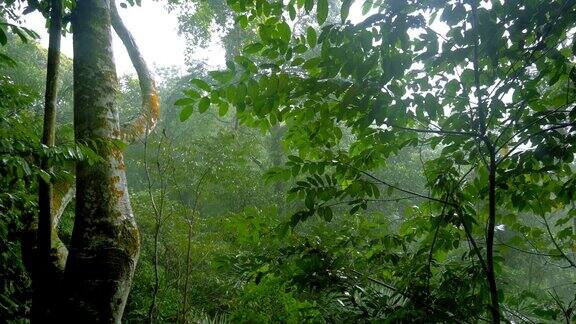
<point x="64" y="192"/>
<point x="371" y="20"/>
<point x="527" y="126"/>
<point x="558" y="126"/>
<point x="403" y="190"/>
<point x="562" y="254"/>
<point x="146" y="121"/>
<point x="433" y="131"/>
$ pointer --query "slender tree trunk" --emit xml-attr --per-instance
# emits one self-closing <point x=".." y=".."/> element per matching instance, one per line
<point x="190" y="221"/>
<point x="492" y="165"/>
<point x="277" y="157"/>
<point x="184" y="310"/>
<point x="44" y="277"/>
<point x="105" y="240"/>
<point x="158" y="218"/>
<point x="491" y="276"/>
<point x="152" y="308"/>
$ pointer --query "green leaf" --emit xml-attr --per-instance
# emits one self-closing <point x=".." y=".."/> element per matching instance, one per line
<point x="354" y="209"/>
<point x="300" y="48"/>
<point x="312" y="63"/>
<point x="311" y="36"/>
<point x="192" y="94"/>
<point x="20" y="34"/>
<point x="203" y="104"/>
<point x="295" y="158"/>
<point x="222" y="76"/>
<point x="303" y="184"/>
<point x="222" y="108"/>
<point x="345" y="10"/>
<point x="564" y="233"/>
<point x="297" y="61"/>
<point x="322" y="11"/>
<point x="184" y="102"/>
<point x="308" y="5"/>
<point x="32" y="34"/>
<point x="284" y="31"/>
<point x="246" y="63"/>
<point x="253" y="48"/>
<point x="5" y="59"/>
<point x="326" y="213"/>
<point x="201" y="84"/>
<point x="186" y="112"/>
<point x="309" y="200"/>
<point x="3" y="37"/>
<point x="45" y="176"/>
<point x="243" y="21"/>
<point x="292" y="12"/>
<point x="366" y="6"/>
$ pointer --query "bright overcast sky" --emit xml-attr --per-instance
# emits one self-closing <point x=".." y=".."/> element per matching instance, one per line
<point x="155" y="31"/>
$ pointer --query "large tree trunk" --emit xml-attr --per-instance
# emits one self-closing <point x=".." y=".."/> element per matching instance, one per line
<point x="105" y="240"/>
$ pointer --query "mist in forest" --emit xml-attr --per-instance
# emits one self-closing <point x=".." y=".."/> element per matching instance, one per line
<point x="303" y="161"/>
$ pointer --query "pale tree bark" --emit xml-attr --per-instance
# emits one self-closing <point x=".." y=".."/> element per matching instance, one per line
<point x="62" y="194"/>
<point x="146" y="121"/>
<point x="105" y="240"/>
<point x="92" y="285"/>
<point x="141" y="126"/>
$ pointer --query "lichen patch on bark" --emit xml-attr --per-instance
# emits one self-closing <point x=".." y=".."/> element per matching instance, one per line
<point x="105" y="241"/>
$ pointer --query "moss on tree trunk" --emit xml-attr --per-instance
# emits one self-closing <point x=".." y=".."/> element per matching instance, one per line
<point x="105" y="241"/>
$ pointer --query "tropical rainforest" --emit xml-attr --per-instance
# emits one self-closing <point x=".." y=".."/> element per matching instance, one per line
<point x="354" y="161"/>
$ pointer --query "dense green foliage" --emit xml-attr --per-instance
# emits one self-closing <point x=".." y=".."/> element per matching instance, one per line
<point x="488" y="87"/>
<point x="20" y="151"/>
<point x="344" y="167"/>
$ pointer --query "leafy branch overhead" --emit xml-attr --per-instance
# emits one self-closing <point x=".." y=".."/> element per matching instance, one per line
<point x="488" y="86"/>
